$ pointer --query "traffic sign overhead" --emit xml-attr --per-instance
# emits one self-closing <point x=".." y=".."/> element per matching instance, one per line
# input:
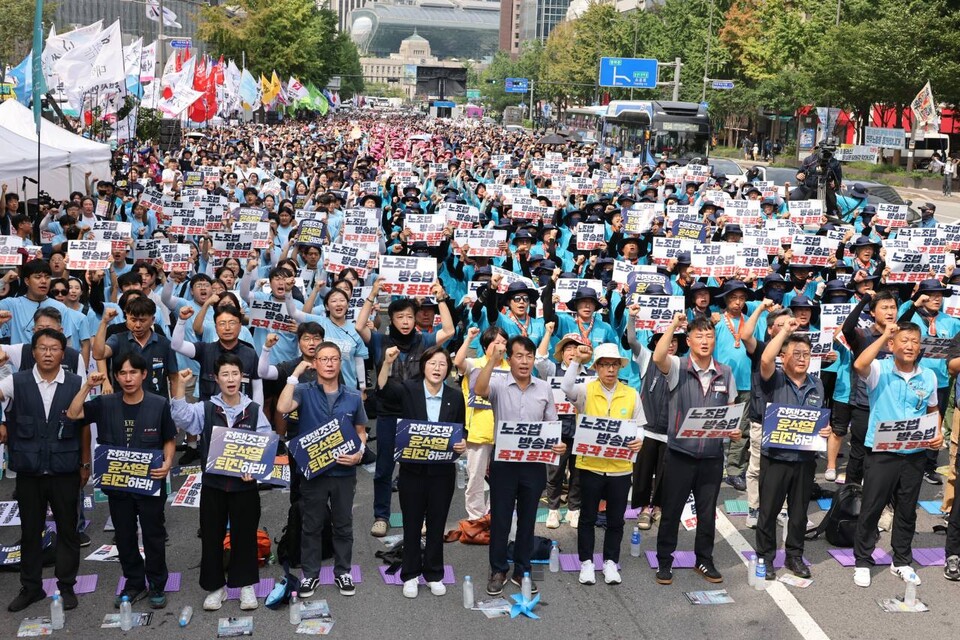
<point x="722" y="84"/>
<point x="181" y="43"/>
<point x="516" y="85"/>
<point x="632" y="73"/>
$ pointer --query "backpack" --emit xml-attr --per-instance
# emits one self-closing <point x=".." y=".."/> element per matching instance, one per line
<point x="288" y="543"/>
<point x="263" y="547"/>
<point x="840" y="523"/>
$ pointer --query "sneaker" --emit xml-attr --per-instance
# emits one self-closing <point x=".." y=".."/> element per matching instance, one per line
<point x="737" y="482"/>
<point x="709" y="572"/>
<point x="588" y="575"/>
<point x="573" y="518"/>
<point x="951" y="570"/>
<point x="932" y="477"/>
<point x="611" y="575"/>
<point x="307" y="586"/>
<point x="158" y="599"/>
<point x="830" y="475"/>
<point x="69" y="598"/>
<point x="861" y="576"/>
<point x="379" y="528"/>
<point x="248" y="598"/>
<point x="665" y="575"/>
<point x="798" y="567"/>
<point x="214" y="599"/>
<point x="906" y="573"/>
<point x="24" y="599"/>
<point x="753" y="516"/>
<point x="645" y="521"/>
<point x="190" y="455"/>
<point x="495" y="583"/>
<point x="437" y="588"/>
<point x="345" y="585"/>
<point x="782" y="518"/>
<point x="517" y="581"/>
<point x="84" y="539"/>
<point x="410" y="588"/>
<point x="553" y="519"/>
<point x="133" y="595"/>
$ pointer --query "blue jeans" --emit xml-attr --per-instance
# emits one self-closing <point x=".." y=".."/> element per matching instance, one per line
<point x="383" y="476"/>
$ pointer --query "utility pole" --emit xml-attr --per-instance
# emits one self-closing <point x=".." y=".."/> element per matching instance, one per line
<point x="161" y="47"/>
<point x="677" y="64"/>
<point x="706" y="59"/>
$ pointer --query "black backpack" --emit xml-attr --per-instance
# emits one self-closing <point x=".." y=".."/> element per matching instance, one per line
<point x="839" y="526"/>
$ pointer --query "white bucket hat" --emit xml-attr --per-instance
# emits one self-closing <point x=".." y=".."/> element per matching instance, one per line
<point x="610" y="351"/>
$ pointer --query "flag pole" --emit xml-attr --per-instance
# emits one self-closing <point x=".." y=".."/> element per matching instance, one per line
<point x="37" y="79"/>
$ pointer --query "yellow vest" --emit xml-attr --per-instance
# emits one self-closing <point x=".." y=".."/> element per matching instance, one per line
<point x="620" y="408"/>
<point x="479" y="420"/>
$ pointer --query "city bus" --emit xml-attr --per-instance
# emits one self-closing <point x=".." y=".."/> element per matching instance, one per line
<point x="586" y="121"/>
<point x="657" y="130"/>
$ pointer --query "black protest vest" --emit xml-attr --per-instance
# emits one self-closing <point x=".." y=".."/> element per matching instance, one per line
<point x="214" y="416"/>
<point x="146" y="429"/>
<point x="207" y="384"/>
<point x="39" y="445"/>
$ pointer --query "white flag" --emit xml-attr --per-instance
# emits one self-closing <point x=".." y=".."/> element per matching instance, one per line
<point x="169" y="17"/>
<point x="180" y="100"/>
<point x="58" y="46"/>
<point x="296" y="90"/>
<point x="148" y="62"/>
<point x="131" y="57"/>
<point x="98" y="62"/>
<point x="925" y="109"/>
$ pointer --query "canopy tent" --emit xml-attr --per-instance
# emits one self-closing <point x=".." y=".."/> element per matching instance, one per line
<point x="80" y="155"/>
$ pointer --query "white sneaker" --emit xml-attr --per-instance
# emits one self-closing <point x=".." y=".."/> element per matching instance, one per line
<point x="573" y="518"/>
<point x="248" y="598"/>
<point x="861" y="576"/>
<point x="553" y="519"/>
<point x="410" y="588"/>
<point x="830" y="475"/>
<point x="587" y="573"/>
<point x="214" y="599"/>
<point x="906" y="573"/>
<point x="437" y="588"/>
<point x="610" y="573"/>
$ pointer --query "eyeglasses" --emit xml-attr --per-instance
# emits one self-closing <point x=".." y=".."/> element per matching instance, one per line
<point x="49" y="349"/>
<point x="329" y="360"/>
<point x="59" y="292"/>
<point x="521" y="298"/>
<point x="228" y="323"/>
<point x="801" y="355"/>
<point x="612" y="364"/>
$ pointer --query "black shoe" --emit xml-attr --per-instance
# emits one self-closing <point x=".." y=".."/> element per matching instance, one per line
<point x="709" y="572"/>
<point x="737" y="482"/>
<point x="495" y="583"/>
<point x="345" y="584"/>
<point x="932" y="477"/>
<point x="24" y="599"/>
<point x="798" y="567"/>
<point x="84" y="539"/>
<point x="307" y="587"/>
<point x="771" y="575"/>
<point x="192" y="454"/>
<point x="518" y="581"/>
<point x="395" y="485"/>
<point x="665" y="575"/>
<point x="134" y="595"/>
<point x="69" y="598"/>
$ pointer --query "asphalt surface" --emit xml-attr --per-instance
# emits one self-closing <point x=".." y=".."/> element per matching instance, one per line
<point x="831" y="607"/>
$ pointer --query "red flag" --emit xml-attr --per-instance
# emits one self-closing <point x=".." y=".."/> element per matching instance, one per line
<point x="204" y="79"/>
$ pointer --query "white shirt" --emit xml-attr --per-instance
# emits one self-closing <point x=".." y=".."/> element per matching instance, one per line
<point x="47" y="389"/>
<point x="705" y="375"/>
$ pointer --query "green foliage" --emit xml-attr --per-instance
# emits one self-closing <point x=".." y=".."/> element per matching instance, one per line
<point x="527" y="65"/>
<point x="16" y="28"/>
<point x="148" y="124"/>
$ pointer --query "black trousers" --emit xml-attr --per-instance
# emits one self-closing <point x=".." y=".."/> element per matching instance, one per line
<point x="859" y="419"/>
<point x="952" y="547"/>
<point x="682" y="474"/>
<point x="514" y="485"/>
<point x="242" y="509"/>
<point x="556" y="476"/>
<point x="779" y="480"/>
<point x="647" y="474"/>
<point x="422" y="497"/>
<point x="125" y="510"/>
<point x="889" y="476"/>
<point x="34" y="493"/>
<point x="595" y="487"/>
<point x="325" y="498"/>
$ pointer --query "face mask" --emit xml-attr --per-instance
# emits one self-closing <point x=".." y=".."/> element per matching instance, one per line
<point x="543" y="278"/>
<point x="606" y="276"/>
<point x="776" y="295"/>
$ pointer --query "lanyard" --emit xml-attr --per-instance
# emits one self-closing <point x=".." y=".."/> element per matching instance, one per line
<point x="585" y="330"/>
<point x="523" y="327"/>
<point x="736" y="334"/>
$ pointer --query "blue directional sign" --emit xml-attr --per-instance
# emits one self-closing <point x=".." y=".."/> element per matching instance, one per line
<point x="182" y="43"/>
<point x="722" y="84"/>
<point x="633" y="73"/>
<point x="516" y="85"/>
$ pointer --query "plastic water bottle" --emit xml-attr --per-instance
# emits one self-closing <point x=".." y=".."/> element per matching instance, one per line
<point x="635" y="542"/>
<point x="126" y="614"/>
<point x="461" y="474"/>
<point x="185" y="615"/>
<point x="554" y="557"/>
<point x="526" y="587"/>
<point x="760" y="578"/>
<point x="295" y="609"/>
<point x="752" y="572"/>
<point x="468" y="601"/>
<point x="910" y="595"/>
<point x="56" y="611"/>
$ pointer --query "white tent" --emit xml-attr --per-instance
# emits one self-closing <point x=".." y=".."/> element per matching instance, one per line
<point x="19" y="159"/>
<point x="82" y="155"/>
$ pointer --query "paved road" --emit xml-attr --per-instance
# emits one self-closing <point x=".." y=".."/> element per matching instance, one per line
<point x="831" y="608"/>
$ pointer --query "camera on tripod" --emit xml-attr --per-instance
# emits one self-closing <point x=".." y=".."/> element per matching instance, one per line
<point x="826" y="150"/>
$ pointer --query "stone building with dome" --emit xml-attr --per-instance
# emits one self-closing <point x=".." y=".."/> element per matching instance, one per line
<point x="400" y="69"/>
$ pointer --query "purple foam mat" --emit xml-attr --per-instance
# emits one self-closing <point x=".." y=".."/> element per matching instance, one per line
<point x="85" y="584"/>
<point x="846" y="559"/>
<point x="934" y="557"/>
<point x="681" y="559"/>
<point x="448" y="576"/>
<point x="262" y="589"/>
<point x="778" y="560"/>
<point x="632" y="514"/>
<point x="571" y="561"/>
<point x="173" y="583"/>
<point x="326" y="574"/>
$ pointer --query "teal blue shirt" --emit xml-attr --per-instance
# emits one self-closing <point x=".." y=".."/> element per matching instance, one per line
<point x="895" y="395"/>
